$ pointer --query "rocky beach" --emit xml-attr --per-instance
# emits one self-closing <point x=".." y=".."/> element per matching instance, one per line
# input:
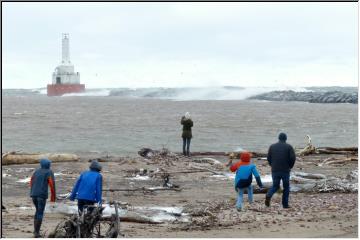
<point x="204" y="203"/>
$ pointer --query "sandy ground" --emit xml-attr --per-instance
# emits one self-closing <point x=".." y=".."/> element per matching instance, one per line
<point x="312" y="214"/>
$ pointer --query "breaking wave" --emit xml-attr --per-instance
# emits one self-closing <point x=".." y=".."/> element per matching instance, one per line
<point x="187" y="94"/>
<point x="181" y="94"/>
<point x="90" y="93"/>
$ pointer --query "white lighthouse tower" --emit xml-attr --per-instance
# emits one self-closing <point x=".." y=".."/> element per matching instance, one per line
<point x="64" y="78"/>
<point x="64" y="73"/>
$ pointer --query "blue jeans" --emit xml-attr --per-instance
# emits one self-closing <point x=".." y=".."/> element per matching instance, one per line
<point x="239" y="201"/>
<point x="186" y="144"/>
<point x="39" y="206"/>
<point x="276" y="177"/>
<point x="82" y="203"/>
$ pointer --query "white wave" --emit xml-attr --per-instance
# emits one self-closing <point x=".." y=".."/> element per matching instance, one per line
<point x="90" y="93"/>
<point x="186" y="94"/>
<point x="224" y="93"/>
<point x="43" y="91"/>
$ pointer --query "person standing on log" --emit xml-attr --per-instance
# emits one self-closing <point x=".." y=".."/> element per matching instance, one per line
<point x="281" y="157"/>
<point x="88" y="187"/>
<point x="186" y="134"/>
<point x="39" y="182"/>
<point x="243" y="178"/>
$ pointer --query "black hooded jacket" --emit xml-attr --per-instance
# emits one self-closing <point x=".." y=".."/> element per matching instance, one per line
<point x="281" y="157"/>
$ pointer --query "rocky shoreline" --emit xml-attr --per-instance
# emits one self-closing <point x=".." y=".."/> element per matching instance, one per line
<point x="311" y="97"/>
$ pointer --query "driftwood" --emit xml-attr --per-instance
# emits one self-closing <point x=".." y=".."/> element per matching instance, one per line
<point x="207" y="170"/>
<point x="211" y="161"/>
<point x="237" y="154"/>
<point x="330" y="161"/>
<point x="177" y="172"/>
<point x="144" y="189"/>
<point x="28" y="158"/>
<point x="349" y="149"/>
<point x="327" y="151"/>
<point x="135" y="219"/>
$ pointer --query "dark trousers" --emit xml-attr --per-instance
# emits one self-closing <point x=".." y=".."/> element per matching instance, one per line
<point x="276" y="177"/>
<point x="39" y="206"/>
<point x="84" y="203"/>
<point x="186" y="145"/>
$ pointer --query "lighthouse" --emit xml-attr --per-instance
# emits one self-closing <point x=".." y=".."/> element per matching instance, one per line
<point x="64" y="78"/>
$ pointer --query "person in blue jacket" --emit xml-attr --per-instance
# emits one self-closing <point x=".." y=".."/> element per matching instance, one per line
<point x="88" y="187"/>
<point x="243" y="178"/>
<point x="39" y="182"/>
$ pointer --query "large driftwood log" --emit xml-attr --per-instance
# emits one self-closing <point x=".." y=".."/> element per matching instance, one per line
<point x="135" y="218"/>
<point x="349" y="149"/>
<point x="327" y="151"/>
<point x="207" y="169"/>
<point x="237" y="154"/>
<point x="144" y="189"/>
<point x="28" y="158"/>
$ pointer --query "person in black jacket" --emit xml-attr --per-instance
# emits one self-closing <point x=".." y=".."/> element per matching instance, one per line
<point x="281" y="157"/>
<point x="186" y="134"/>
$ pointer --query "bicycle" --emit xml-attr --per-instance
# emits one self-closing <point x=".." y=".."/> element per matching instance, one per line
<point x="90" y="223"/>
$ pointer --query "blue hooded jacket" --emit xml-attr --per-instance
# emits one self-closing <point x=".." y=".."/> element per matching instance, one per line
<point x="40" y="180"/>
<point x="243" y="177"/>
<point x="89" y="185"/>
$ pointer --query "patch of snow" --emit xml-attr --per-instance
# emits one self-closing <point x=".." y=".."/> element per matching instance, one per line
<point x="25" y="180"/>
<point x="6" y="175"/>
<point x="140" y="178"/>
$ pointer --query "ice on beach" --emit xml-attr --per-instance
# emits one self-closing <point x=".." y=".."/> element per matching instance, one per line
<point x="266" y="178"/>
<point x="225" y="176"/>
<point x="6" y="175"/>
<point x="20" y="170"/>
<point x="26" y="208"/>
<point x="140" y="178"/>
<point x="172" y="210"/>
<point x="25" y="180"/>
<point x="61" y="208"/>
<point x="161" y="214"/>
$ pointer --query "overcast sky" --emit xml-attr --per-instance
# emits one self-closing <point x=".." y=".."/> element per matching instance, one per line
<point x="182" y="44"/>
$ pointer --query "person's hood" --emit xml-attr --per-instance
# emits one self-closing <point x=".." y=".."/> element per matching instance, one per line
<point x="245" y="157"/>
<point x="187" y="115"/>
<point x="95" y="166"/>
<point x="282" y="137"/>
<point x="45" y="163"/>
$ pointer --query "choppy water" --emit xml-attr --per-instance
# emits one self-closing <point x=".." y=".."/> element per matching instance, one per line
<point x="122" y="126"/>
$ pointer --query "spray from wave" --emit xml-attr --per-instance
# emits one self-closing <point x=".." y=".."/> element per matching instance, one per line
<point x="90" y="93"/>
<point x="179" y="94"/>
<point x="205" y="93"/>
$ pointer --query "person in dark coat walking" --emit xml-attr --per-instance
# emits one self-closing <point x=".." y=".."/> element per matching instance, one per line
<point x="88" y="187"/>
<point x="186" y="134"/>
<point x="39" y="182"/>
<point x="281" y="157"/>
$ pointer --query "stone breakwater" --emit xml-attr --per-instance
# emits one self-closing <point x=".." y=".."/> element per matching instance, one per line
<point x="312" y="97"/>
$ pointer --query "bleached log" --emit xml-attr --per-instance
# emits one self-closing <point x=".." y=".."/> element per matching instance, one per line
<point x="207" y="169"/>
<point x="310" y="175"/>
<point x="144" y="189"/>
<point x="135" y="219"/>
<point x="325" y="151"/>
<point x="28" y="158"/>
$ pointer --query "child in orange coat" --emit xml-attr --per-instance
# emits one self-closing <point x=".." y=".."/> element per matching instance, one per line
<point x="244" y="170"/>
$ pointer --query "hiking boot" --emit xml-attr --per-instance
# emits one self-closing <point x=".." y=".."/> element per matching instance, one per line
<point x="239" y="209"/>
<point x="37" y="225"/>
<point x="267" y="201"/>
<point x="287" y="206"/>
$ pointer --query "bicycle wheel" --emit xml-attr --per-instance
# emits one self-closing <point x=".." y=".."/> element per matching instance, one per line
<point x="108" y="227"/>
